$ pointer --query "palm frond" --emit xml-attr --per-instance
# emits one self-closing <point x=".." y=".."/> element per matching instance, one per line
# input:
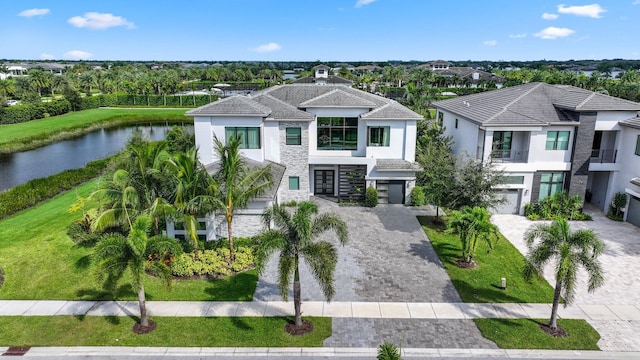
<point x="286" y="266"/>
<point x="322" y="258"/>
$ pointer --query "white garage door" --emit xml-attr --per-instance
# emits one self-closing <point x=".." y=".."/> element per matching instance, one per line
<point x="633" y="214"/>
<point x="511" y="204"/>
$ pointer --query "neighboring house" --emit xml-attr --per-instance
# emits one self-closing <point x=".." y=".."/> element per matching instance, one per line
<point x="323" y="77"/>
<point x="320" y="139"/>
<point x="550" y="138"/>
<point x="468" y="76"/>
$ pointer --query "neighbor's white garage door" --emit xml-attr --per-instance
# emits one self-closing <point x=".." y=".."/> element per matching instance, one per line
<point x="511" y="204"/>
<point x="633" y="214"/>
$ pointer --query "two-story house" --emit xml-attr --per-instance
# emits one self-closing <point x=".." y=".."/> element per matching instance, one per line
<point x="321" y="138"/>
<point x="548" y="138"/>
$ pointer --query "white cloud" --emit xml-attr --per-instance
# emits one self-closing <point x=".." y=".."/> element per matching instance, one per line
<point x="45" y="56"/>
<point x="518" y="36"/>
<point x="362" y="3"/>
<point x="94" y="20"/>
<point x="548" y="16"/>
<point x="636" y="2"/>
<point x="34" y="12"/>
<point x="267" y="47"/>
<point x="77" y="55"/>
<point x="553" y="32"/>
<point x="490" y="42"/>
<point x="592" y="11"/>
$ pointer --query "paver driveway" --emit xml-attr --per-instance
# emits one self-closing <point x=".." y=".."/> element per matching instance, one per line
<point x="388" y="259"/>
<point x="620" y="262"/>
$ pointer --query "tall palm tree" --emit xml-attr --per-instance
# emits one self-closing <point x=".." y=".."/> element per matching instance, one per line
<point x="195" y="192"/>
<point x="293" y="236"/>
<point x="119" y="201"/>
<point x="238" y="183"/>
<point x="569" y="250"/>
<point x="138" y="253"/>
<point x="472" y="225"/>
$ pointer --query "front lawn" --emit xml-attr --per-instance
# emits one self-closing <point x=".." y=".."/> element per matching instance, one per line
<point x="526" y="334"/>
<point x="41" y="262"/>
<point x="482" y="284"/>
<point x="170" y="332"/>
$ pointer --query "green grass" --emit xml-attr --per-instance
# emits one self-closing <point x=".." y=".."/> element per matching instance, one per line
<point x="31" y="134"/>
<point x="41" y="262"/>
<point x="170" y="331"/>
<point x="526" y="334"/>
<point x="481" y="284"/>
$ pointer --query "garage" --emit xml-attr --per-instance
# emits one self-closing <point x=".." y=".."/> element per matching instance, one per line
<point x="511" y="204"/>
<point x="633" y="213"/>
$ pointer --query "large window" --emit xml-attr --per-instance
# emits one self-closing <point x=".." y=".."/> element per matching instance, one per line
<point x="638" y="146"/>
<point x="294" y="136"/>
<point x="501" y="144"/>
<point x="337" y="133"/>
<point x="249" y="136"/>
<point x="379" y="136"/>
<point x="550" y="183"/>
<point x="557" y="140"/>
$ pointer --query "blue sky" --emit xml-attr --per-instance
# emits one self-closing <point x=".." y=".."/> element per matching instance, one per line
<point x="325" y="30"/>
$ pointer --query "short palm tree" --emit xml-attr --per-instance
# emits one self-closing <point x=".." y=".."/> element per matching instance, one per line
<point x="472" y="225"/>
<point x="238" y="184"/>
<point x="138" y="253"/>
<point x="119" y="201"/>
<point x="569" y="250"/>
<point x="293" y="237"/>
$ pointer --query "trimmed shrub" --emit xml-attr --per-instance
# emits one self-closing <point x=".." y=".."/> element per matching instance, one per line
<point x="618" y="203"/>
<point x="27" y="112"/>
<point x="214" y="262"/>
<point x="417" y="196"/>
<point x="388" y="351"/>
<point x="371" y="197"/>
<point x="558" y="205"/>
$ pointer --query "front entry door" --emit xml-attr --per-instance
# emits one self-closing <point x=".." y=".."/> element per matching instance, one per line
<point x="323" y="182"/>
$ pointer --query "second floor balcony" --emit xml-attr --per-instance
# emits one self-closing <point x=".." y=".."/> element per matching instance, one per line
<point x="510" y="156"/>
<point x="603" y="156"/>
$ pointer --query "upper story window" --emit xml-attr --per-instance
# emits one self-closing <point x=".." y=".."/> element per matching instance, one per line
<point x="337" y="133"/>
<point x="557" y="140"/>
<point x="294" y="136"/>
<point x="501" y="147"/>
<point x="638" y="146"/>
<point x="379" y="136"/>
<point x="249" y="136"/>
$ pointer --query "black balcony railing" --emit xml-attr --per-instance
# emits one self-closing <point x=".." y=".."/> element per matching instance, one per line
<point x="606" y="156"/>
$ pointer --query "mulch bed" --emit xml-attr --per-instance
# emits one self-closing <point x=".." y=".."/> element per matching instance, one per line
<point x="139" y="329"/>
<point x="16" y="351"/>
<point x="294" y="330"/>
<point x="558" y="332"/>
<point x="466" y="265"/>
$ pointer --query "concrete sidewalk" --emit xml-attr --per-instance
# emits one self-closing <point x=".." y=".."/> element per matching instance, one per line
<point x="336" y="309"/>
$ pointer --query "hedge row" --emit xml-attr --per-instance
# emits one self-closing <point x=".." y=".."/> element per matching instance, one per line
<point x="96" y="101"/>
<point x="22" y="113"/>
<point x="35" y="191"/>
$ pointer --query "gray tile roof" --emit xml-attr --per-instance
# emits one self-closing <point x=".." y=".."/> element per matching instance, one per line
<point x="337" y="98"/>
<point x="632" y="123"/>
<point x="396" y="165"/>
<point x="232" y="106"/>
<point x="277" y="173"/>
<point x="280" y="110"/>
<point x="392" y="110"/>
<point x="531" y="104"/>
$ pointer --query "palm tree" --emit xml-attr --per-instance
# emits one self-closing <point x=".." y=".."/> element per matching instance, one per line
<point x="569" y="250"/>
<point x="238" y="183"/>
<point x="138" y="253"/>
<point x="293" y="237"/>
<point x="472" y="225"/>
<point x="120" y="201"/>
<point x="195" y="192"/>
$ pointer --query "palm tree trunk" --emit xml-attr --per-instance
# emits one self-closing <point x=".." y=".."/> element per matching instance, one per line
<point x="296" y="295"/>
<point x="232" y="255"/>
<point x="144" y="321"/>
<point x="553" y="322"/>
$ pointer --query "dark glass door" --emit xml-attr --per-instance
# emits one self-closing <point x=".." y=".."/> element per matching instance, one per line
<point x="323" y="182"/>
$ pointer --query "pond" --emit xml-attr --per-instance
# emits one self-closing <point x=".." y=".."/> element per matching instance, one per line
<point x="18" y="168"/>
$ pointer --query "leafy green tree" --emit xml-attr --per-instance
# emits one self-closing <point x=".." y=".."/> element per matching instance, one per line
<point x="39" y="79"/>
<point x="7" y="87"/>
<point x="568" y="250"/>
<point x="438" y="164"/>
<point x="474" y="184"/>
<point x="293" y="236"/>
<point x="238" y="184"/>
<point x="472" y="226"/>
<point x="138" y="253"/>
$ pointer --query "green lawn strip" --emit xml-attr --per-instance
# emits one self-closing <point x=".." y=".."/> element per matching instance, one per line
<point x="526" y="334"/>
<point x="170" y="332"/>
<point x="41" y="262"/>
<point x="481" y="284"/>
<point x="31" y="134"/>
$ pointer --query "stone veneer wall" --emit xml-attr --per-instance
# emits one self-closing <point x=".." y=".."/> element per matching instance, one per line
<point x="243" y="225"/>
<point x="296" y="160"/>
<point x="582" y="145"/>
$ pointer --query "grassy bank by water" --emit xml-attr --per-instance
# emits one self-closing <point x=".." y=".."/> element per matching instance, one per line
<point x="36" y="133"/>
